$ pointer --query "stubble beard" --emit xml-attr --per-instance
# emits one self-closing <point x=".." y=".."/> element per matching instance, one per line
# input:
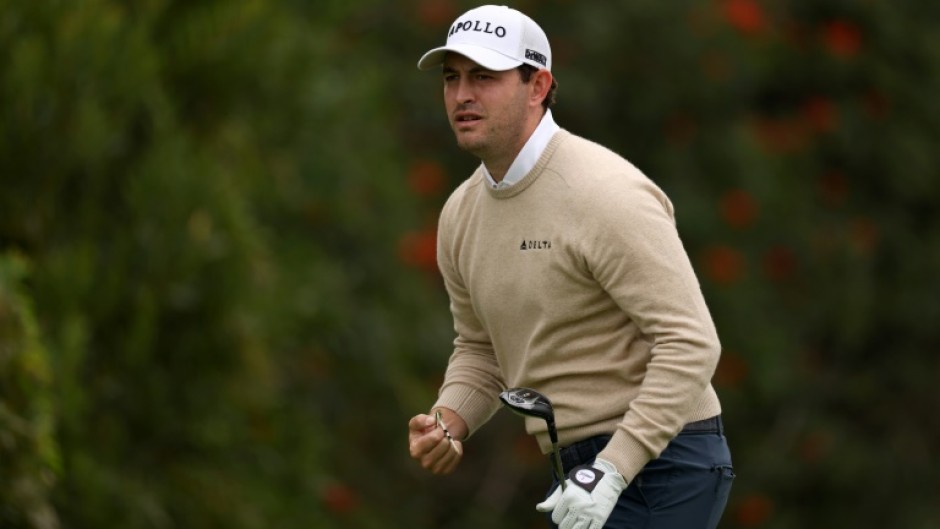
<point x="495" y="138"/>
<point x="478" y="147"/>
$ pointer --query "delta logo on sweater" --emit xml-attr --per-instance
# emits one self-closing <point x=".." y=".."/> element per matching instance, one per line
<point x="535" y="245"/>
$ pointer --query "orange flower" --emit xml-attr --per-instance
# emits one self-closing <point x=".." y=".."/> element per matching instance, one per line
<point x="339" y="498"/>
<point x="419" y="249"/>
<point x="816" y="446"/>
<point x="745" y="16"/>
<point x="437" y="13"/>
<point x="754" y="510"/>
<point x="781" y="135"/>
<point x="820" y="113"/>
<point x="731" y="371"/>
<point x="426" y="178"/>
<point x="842" y="38"/>
<point x="723" y="265"/>
<point x="779" y="263"/>
<point x="738" y="209"/>
<point x="877" y="104"/>
<point x="864" y="235"/>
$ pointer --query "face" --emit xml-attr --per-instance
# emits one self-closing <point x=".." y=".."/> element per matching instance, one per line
<point x="490" y="112"/>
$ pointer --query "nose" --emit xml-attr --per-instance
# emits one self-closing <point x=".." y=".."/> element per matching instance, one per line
<point x="463" y="92"/>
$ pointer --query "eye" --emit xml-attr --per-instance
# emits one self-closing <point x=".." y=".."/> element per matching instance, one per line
<point x="483" y="77"/>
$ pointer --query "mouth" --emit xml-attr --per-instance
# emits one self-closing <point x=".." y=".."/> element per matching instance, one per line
<point x="466" y="119"/>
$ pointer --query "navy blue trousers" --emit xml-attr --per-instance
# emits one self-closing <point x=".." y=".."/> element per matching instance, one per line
<point x="686" y="487"/>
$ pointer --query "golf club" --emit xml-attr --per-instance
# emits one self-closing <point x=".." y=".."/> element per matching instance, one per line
<point x="530" y="403"/>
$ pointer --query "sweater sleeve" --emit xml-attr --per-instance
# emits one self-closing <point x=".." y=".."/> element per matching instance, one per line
<point x="472" y="382"/>
<point x="637" y="257"/>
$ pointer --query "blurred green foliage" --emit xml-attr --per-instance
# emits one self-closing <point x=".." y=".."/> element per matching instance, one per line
<point x="218" y="300"/>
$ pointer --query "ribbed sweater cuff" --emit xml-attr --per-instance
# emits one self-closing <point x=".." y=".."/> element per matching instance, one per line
<point x="472" y="405"/>
<point x="627" y="454"/>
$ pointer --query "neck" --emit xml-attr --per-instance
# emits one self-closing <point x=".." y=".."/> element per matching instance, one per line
<point x="498" y="163"/>
<point x="498" y="169"/>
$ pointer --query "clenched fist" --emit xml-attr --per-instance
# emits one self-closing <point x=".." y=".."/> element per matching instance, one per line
<point x="435" y="445"/>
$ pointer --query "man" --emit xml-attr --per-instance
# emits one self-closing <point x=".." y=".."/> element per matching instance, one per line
<point x="566" y="274"/>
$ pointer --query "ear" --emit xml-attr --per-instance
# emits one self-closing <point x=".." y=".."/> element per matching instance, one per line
<point x="541" y="83"/>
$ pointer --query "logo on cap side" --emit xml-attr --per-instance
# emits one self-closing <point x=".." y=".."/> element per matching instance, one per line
<point x="474" y="25"/>
<point x="533" y="55"/>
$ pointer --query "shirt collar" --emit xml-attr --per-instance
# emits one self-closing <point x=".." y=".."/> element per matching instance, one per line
<point x="528" y="156"/>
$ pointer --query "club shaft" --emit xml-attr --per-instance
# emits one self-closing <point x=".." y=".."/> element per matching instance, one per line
<point x="556" y="463"/>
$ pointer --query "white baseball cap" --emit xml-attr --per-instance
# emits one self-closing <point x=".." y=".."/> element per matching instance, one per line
<point x="496" y="37"/>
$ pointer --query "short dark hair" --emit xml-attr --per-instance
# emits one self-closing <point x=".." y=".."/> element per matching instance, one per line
<point x="526" y="71"/>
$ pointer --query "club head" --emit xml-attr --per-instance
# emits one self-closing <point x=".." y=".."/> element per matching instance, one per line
<point x="529" y="403"/>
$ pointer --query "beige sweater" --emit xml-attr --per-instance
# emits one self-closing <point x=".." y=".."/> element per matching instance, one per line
<point x="574" y="282"/>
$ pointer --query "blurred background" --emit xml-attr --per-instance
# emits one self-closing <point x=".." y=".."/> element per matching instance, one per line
<point x="219" y="303"/>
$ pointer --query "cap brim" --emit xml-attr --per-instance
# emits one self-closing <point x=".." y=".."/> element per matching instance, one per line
<point x="485" y="57"/>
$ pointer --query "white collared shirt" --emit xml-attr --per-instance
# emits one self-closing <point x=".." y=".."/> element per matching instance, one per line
<point x="528" y="156"/>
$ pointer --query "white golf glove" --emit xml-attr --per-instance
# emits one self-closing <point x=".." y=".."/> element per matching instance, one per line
<point x="589" y="497"/>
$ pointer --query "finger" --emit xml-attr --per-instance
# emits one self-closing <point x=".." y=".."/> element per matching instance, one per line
<point x="451" y="458"/>
<point x="449" y="461"/>
<point x="582" y="522"/>
<point x="549" y="504"/>
<point x="438" y="453"/>
<point x="421" y="423"/>
<point x="570" y="521"/>
<point x="421" y="445"/>
<point x="561" y="512"/>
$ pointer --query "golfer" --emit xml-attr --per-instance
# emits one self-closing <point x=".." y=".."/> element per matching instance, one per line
<point x="566" y="275"/>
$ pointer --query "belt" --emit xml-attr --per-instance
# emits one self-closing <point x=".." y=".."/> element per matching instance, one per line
<point x="710" y="425"/>
<point x="584" y="451"/>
